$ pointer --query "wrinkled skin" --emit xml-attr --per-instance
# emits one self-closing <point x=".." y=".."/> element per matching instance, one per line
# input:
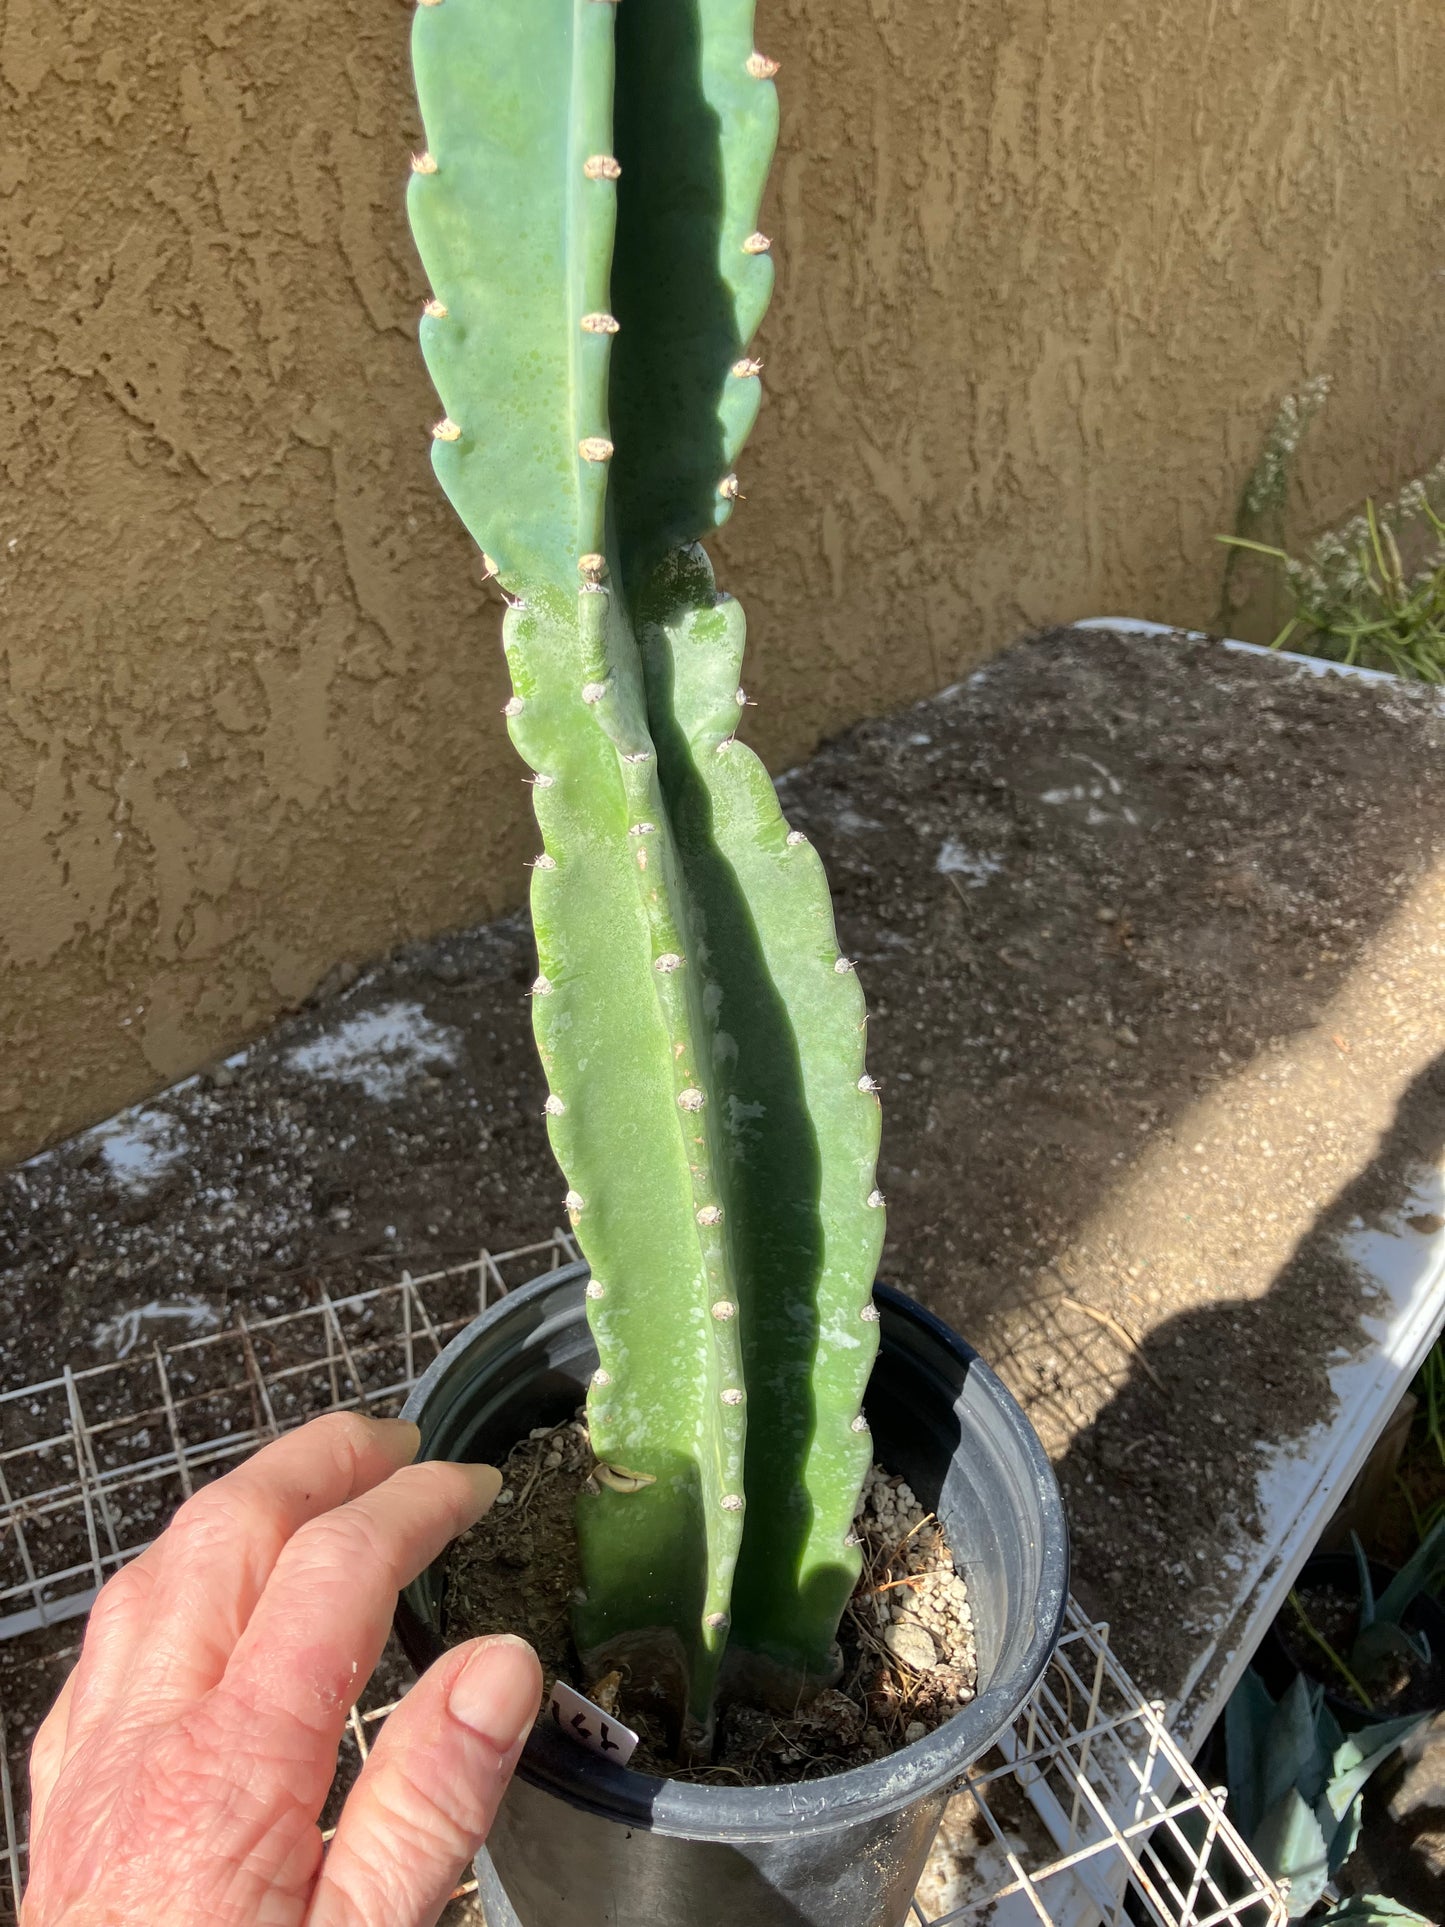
<point x="179" y="1775"/>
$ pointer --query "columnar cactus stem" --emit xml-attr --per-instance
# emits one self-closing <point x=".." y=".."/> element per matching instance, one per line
<point x="596" y="278"/>
<point x="804" y="1119"/>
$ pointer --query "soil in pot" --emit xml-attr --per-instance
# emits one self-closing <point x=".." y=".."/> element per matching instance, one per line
<point x="1404" y="1686"/>
<point x="909" y="1658"/>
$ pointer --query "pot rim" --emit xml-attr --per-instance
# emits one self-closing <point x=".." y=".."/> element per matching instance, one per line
<point x="556" y="1764"/>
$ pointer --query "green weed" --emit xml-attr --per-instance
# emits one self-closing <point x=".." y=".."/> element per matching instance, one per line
<point x="1353" y="597"/>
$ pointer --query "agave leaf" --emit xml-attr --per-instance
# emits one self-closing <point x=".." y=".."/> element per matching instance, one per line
<point x="1331" y="1733"/>
<point x="1247" y="1720"/>
<point x="1314" y="1775"/>
<point x="1294" y="1755"/>
<point x="1343" y="1835"/>
<point x="1385" y="1640"/>
<point x="1361" y="1753"/>
<point x="1423" y="1571"/>
<point x="1291" y="1845"/>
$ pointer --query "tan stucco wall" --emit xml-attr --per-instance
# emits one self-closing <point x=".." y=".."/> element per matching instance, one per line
<point x="1046" y="269"/>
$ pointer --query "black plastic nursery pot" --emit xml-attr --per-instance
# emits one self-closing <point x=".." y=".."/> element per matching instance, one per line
<point x="581" y="1842"/>
<point x="1338" y="1572"/>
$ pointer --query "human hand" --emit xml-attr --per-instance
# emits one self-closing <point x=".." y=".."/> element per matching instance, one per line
<point x="179" y="1775"/>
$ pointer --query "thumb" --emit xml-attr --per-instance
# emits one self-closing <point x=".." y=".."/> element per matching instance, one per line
<point x="424" y="1801"/>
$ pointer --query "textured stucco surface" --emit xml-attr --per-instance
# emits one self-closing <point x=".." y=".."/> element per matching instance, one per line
<point x="1046" y="270"/>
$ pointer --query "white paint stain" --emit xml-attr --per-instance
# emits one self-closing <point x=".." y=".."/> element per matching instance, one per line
<point x="1097" y="794"/>
<point x="138" y="1146"/>
<point x="125" y="1331"/>
<point x="852" y="823"/>
<point x="975" y="866"/>
<point x="381" y="1050"/>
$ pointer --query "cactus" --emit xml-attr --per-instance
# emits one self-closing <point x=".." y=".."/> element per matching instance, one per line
<point x="586" y="211"/>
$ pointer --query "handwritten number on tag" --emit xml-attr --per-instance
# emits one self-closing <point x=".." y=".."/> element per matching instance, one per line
<point x="579" y="1726"/>
<point x="589" y="1726"/>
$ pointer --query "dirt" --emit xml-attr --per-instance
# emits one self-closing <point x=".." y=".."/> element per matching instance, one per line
<point x="516" y="1572"/>
<point x="396" y="1122"/>
<point x="1151" y="939"/>
<point x="909" y="1660"/>
<point x="1398" y="1685"/>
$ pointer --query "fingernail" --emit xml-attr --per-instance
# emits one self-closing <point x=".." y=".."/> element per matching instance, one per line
<point x="401" y="1433"/>
<point x="487" y="1483"/>
<point x="497" y="1692"/>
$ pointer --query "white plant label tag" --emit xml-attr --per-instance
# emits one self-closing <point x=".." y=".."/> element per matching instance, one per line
<point x="590" y="1726"/>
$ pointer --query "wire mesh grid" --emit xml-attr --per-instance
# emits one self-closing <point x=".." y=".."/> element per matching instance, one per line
<point x="1118" y="1825"/>
<point x="94" y="1461"/>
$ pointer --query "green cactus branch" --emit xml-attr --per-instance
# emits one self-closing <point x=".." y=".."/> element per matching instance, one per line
<point x="596" y="278"/>
<point x="803" y="1123"/>
<point x="692" y="275"/>
<point x="629" y="1115"/>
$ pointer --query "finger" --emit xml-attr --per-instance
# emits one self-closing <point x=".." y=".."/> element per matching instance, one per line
<point x="213" y="1561"/>
<point x="322" y="1621"/>
<point x="112" y="1632"/>
<point x="426" y="1797"/>
<point x="47" y="1753"/>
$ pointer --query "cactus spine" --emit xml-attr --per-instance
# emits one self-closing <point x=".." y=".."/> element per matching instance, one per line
<point x="586" y="210"/>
